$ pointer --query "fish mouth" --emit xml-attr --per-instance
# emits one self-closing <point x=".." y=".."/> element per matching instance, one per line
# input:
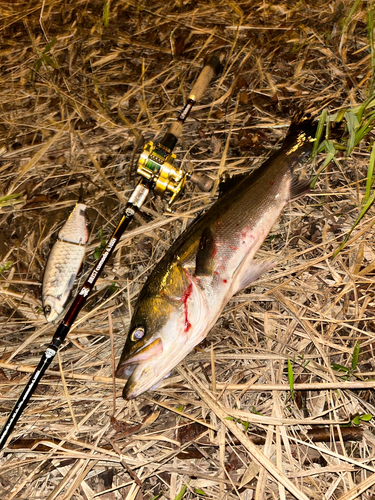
<point x="50" y="314"/>
<point x="52" y="308"/>
<point x="138" y="367"/>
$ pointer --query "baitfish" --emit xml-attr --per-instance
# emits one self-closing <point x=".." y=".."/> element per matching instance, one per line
<point x="210" y="262"/>
<point x="64" y="262"/>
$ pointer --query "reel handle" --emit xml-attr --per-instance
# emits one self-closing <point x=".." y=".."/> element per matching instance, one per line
<point x="203" y="182"/>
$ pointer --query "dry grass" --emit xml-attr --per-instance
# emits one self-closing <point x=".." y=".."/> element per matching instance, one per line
<point x="76" y="95"/>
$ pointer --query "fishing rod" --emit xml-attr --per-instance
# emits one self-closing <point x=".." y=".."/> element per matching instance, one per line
<point x="159" y="175"/>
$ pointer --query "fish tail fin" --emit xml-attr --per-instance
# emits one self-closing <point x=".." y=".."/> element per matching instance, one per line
<point x="302" y="123"/>
<point x="81" y="195"/>
<point x="301" y="137"/>
<point x="299" y="142"/>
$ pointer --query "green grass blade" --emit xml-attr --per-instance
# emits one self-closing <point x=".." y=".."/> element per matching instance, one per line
<point x="44" y="57"/>
<point x="4" y="266"/>
<point x="350" y="15"/>
<point x="366" y="417"/>
<point x="355" y="355"/>
<point x="357" y="110"/>
<point x="319" y="131"/>
<point x="331" y="151"/>
<point x="360" y="110"/>
<point x="181" y="493"/>
<point x="10" y="199"/>
<point x="106" y="12"/>
<point x="370" y="175"/>
<point x="200" y="492"/>
<point x="367" y="126"/>
<point x="49" y="45"/>
<point x="339" y="368"/>
<point x="370" y="34"/>
<point x="49" y="61"/>
<point x="352" y="124"/>
<point x="367" y="205"/>
<point x="340" y="115"/>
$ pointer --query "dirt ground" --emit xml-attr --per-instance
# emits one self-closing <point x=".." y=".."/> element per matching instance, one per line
<point x="84" y="84"/>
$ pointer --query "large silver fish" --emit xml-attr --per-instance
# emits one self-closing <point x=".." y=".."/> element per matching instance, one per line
<point x="64" y="262"/>
<point x="210" y="262"/>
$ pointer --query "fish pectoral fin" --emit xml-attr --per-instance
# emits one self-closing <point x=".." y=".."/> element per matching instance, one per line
<point x="205" y="258"/>
<point x="298" y="188"/>
<point x="251" y="273"/>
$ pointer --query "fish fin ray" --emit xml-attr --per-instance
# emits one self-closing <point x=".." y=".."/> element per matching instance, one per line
<point x="82" y="194"/>
<point x="252" y="272"/>
<point x="298" y="188"/>
<point x="205" y="258"/>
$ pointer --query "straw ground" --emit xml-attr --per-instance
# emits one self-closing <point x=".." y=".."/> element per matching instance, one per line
<point x="259" y="409"/>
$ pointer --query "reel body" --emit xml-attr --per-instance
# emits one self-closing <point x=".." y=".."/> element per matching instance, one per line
<point x="156" y="164"/>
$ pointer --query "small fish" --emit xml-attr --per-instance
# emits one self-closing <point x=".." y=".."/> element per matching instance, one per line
<point x="64" y="262"/>
<point x="210" y="262"/>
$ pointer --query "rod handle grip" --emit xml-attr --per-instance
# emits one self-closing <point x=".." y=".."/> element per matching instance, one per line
<point x="212" y="67"/>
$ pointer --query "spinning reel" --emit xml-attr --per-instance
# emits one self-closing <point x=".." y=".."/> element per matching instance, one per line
<point x="156" y="164"/>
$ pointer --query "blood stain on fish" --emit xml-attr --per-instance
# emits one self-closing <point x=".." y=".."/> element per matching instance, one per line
<point x="184" y="300"/>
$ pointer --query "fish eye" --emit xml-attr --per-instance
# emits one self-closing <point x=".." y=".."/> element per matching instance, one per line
<point x="47" y="310"/>
<point x="137" y="334"/>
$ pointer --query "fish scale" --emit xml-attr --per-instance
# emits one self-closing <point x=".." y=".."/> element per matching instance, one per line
<point x="64" y="262"/>
<point x="210" y="262"/>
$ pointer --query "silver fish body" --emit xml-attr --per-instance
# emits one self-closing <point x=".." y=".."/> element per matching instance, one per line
<point x="64" y="262"/>
<point x="210" y="262"/>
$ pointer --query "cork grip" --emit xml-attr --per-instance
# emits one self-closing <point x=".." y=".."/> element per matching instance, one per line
<point x="176" y="129"/>
<point x="211" y="68"/>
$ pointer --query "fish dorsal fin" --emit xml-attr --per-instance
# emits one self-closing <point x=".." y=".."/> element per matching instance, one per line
<point x="298" y="188"/>
<point x="251" y="272"/>
<point x="205" y="259"/>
